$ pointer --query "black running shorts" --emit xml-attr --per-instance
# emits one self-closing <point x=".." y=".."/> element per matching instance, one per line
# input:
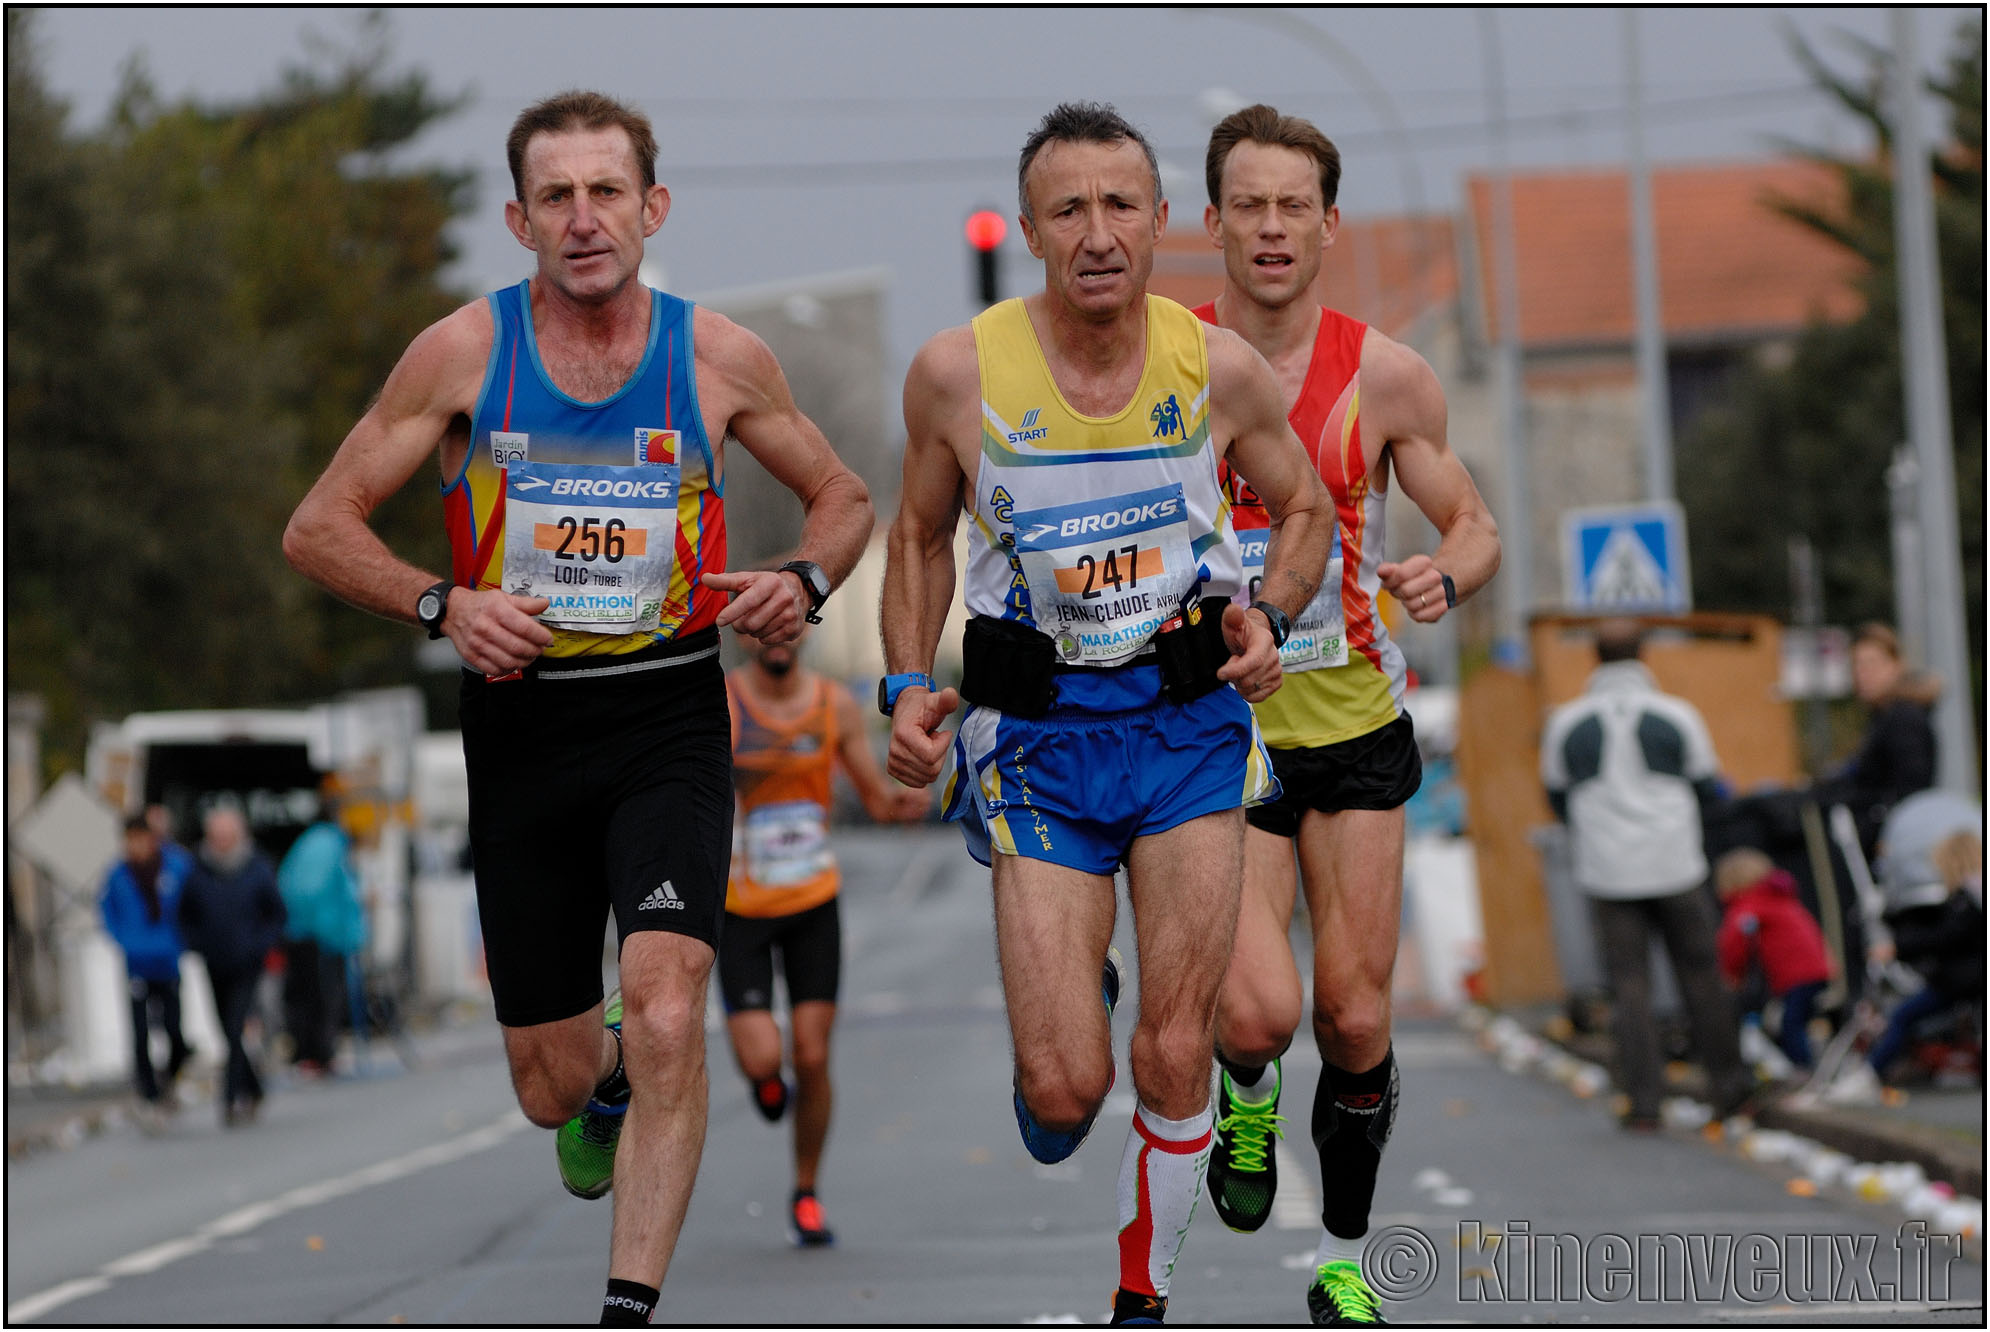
<point x="811" y="944"/>
<point x="595" y="786"/>
<point x="1379" y="770"/>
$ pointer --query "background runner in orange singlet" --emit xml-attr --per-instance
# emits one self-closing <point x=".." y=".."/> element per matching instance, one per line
<point x="790" y="728"/>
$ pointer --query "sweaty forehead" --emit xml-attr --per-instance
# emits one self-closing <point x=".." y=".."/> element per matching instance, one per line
<point x="1063" y="169"/>
<point x="572" y="154"/>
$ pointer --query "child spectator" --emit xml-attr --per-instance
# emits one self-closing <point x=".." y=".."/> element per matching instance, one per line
<point x="1764" y="924"/>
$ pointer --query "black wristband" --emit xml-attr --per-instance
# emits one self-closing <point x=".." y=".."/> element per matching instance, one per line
<point x="1280" y="622"/>
<point x="1450" y="592"/>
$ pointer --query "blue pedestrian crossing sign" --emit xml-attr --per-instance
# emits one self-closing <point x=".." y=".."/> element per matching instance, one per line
<point x="1626" y="557"/>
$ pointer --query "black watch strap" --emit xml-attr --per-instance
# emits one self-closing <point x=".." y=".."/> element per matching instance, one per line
<point x="815" y="585"/>
<point x="1450" y="592"/>
<point x="432" y="607"/>
<point x="1280" y="622"/>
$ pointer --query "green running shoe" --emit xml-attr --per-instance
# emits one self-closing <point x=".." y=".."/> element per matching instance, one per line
<point x="585" y="1144"/>
<point x="1339" y="1297"/>
<point x="1243" y="1161"/>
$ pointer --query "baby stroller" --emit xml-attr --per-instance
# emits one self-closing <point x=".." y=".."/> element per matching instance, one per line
<point x="1842" y="1074"/>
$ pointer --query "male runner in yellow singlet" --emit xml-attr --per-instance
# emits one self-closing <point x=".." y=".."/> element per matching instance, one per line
<point x="1341" y="743"/>
<point x="1107" y="672"/>
<point x="790" y="728"/>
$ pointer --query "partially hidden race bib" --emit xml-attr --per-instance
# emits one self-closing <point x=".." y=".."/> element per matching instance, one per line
<point x="598" y="542"/>
<point x="1319" y="632"/>
<point x="1104" y="574"/>
<point x="787" y="843"/>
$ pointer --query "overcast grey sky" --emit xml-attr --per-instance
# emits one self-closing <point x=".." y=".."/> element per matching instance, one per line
<point x="801" y="142"/>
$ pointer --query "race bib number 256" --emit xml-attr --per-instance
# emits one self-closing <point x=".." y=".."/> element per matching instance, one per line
<point x="595" y="541"/>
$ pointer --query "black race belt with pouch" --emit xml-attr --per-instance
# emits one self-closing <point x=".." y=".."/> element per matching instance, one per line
<point x="1011" y="667"/>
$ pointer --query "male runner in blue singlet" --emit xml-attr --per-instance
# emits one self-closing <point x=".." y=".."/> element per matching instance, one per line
<point x="580" y="419"/>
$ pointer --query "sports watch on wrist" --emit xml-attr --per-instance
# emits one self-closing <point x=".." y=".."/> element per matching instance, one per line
<point x="815" y="583"/>
<point x="892" y="686"/>
<point x="432" y="606"/>
<point x="1280" y="622"/>
<point x="1450" y="592"/>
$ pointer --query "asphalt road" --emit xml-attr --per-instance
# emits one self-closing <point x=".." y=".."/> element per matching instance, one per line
<point x="422" y="1196"/>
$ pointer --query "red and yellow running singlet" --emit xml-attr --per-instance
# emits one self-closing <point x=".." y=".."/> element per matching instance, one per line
<point x="1344" y="675"/>
<point x="612" y="510"/>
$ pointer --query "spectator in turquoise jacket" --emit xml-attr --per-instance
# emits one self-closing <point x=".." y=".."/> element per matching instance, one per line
<point x="326" y="927"/>
<point x="141" y="904"/>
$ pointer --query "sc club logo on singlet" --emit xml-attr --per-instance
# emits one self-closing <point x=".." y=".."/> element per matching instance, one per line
<point x="1167" y="418"/>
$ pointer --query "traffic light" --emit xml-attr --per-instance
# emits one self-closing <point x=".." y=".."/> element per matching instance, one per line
<point x="985" y="229"/>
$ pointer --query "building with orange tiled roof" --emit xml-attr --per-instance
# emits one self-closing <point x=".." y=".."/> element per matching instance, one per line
<point x="1737" y="281"/>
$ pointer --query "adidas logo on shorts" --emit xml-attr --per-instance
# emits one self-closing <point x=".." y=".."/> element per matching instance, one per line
<point x="665" y="898"/>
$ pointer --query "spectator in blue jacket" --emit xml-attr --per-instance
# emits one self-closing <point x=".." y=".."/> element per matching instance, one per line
<point x="326" y="926"/>
<point x="232" y="915"/>
<point x="141" y="902"/>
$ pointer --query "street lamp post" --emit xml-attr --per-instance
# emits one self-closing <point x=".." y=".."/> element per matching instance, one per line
<point x="1925" y="369"/>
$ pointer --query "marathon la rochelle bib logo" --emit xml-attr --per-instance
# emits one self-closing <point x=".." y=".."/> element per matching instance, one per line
<point x="1167" y="418"/>
<point x="656" y="446"/>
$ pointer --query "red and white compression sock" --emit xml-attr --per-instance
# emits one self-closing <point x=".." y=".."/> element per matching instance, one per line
<point x="1160" y="1180"/>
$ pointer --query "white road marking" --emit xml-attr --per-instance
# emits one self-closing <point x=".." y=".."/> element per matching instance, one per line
<point x="34" y="1306"/>
<point x="244" y="1219"/>
<point x="152" y="1259"/>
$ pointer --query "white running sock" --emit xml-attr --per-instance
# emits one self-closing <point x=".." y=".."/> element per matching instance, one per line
<point x="1160" y="1181"/>
<point x="1260" y="1092"/>
<point x="1334" y="1249"/>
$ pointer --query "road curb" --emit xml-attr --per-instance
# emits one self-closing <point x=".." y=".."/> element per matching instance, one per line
<point x="1941" y="1154"/>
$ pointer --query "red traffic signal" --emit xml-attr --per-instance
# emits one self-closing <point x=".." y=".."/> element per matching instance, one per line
<point x="985" y="229"/>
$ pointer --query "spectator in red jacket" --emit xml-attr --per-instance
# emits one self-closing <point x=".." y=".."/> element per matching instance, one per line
<point x="1765" y="925"/>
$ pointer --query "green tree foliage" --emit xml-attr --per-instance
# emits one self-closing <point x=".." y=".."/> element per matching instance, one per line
<point x="1803" y="448"/>
<point x="201" y="300"/>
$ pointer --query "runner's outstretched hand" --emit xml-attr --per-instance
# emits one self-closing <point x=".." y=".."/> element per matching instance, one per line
<point x="766" y="604"/>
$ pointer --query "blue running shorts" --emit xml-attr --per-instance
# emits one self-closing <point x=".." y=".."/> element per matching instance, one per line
<point x="1111" y="761"/>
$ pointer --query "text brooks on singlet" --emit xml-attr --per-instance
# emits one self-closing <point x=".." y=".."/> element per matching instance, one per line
<point x="1344" y="675"/>
<point x="612" y="510"/>
<point x="1096" y="529"/>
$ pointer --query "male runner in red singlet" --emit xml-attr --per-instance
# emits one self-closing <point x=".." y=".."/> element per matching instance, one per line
<point x="790" y="728"/>
<point x="1341" y="743"/>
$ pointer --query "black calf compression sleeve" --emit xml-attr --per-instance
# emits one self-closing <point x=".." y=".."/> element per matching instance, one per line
<point x="1352" y="1116"/>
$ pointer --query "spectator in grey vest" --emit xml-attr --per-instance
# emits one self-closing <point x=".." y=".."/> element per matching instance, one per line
<point x="1629" y="770"/>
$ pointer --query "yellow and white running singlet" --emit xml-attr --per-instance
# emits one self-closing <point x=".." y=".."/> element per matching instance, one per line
<point x="1095" y="529"/>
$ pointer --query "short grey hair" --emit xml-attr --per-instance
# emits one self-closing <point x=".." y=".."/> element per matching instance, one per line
<point x="1081" y="122"/>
